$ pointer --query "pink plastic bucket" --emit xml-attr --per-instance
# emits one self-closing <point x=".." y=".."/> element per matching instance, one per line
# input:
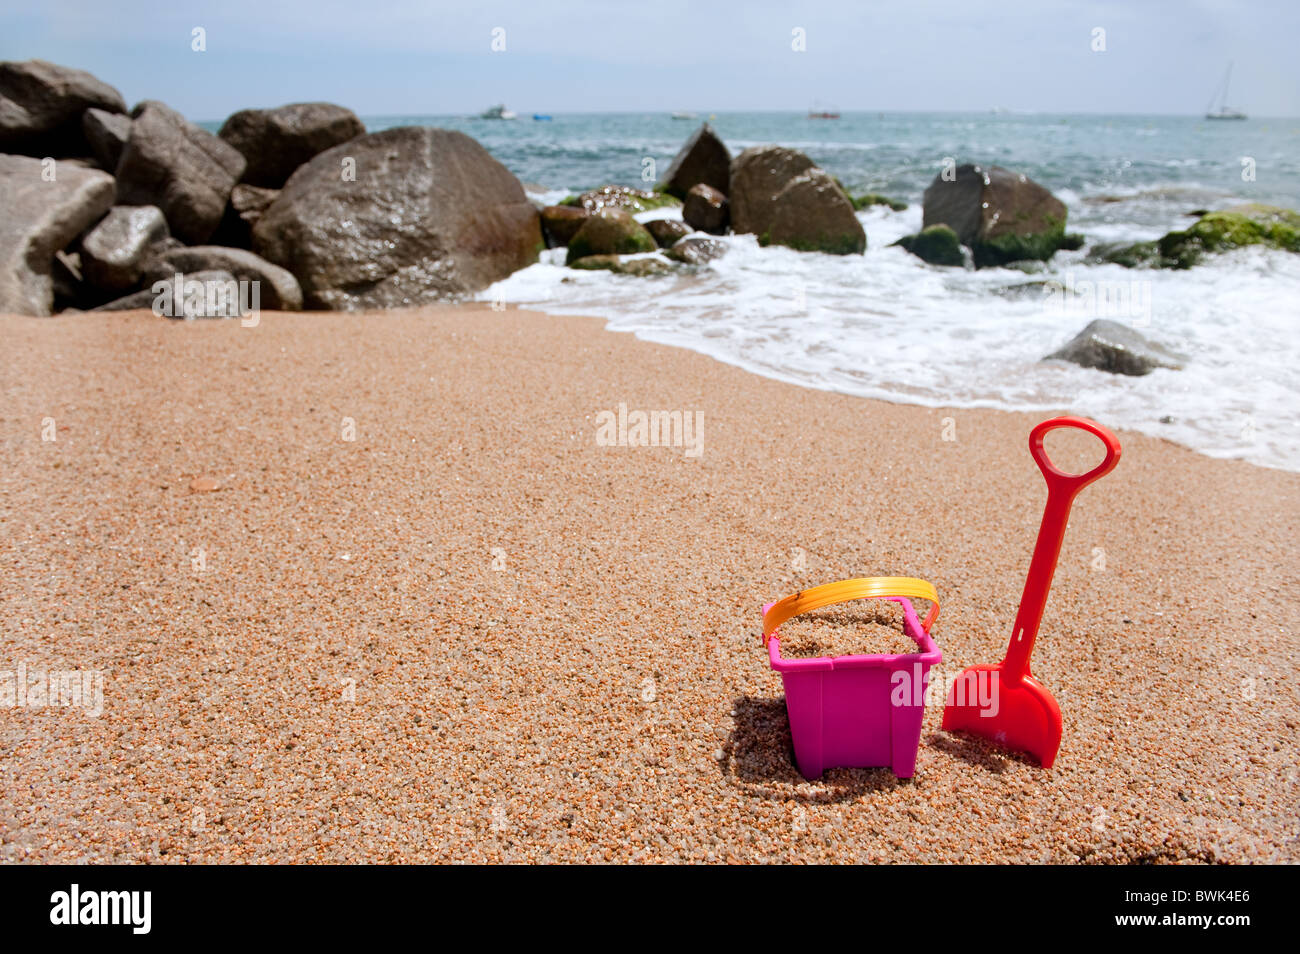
<point x="858" y="711"/>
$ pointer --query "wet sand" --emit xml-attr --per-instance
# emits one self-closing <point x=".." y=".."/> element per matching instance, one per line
<point x="470" y="632"/>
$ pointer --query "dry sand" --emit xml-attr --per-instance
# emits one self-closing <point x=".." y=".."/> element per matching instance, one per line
<point x="471" y="633"/>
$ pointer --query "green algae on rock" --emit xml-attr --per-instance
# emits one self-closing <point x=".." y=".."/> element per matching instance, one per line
<point x="1002" y="216"/>
<point x="610" y="232"/>
<point x="640" y="267"/>
<point x="875" y="198"/>
<point x="620" y="197"/>
<point x="811" y="213"/>
<point x="1236" y="227"/>
<point x="937" y="245"/>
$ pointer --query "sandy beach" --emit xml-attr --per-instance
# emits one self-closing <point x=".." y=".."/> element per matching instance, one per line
<point x="366" y="588"/>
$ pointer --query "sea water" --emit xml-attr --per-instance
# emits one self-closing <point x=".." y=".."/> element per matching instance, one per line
<point x="887" y="325"/>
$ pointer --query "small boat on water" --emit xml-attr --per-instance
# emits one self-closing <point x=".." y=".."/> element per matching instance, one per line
<point x="682" y="115"/>
<point x="820" y="112"/>
<point x="541" y="118"/>
<point x="1223" y="110"/>
<point x="497" y="112"/>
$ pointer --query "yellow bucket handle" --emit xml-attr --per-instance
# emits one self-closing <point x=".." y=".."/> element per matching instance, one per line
<point x="844" y="590"/>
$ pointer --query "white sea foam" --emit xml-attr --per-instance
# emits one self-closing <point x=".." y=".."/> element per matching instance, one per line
<point x="886" y="325"/>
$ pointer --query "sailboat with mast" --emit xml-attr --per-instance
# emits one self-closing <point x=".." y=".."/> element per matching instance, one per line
<point x="1223" y="110"/>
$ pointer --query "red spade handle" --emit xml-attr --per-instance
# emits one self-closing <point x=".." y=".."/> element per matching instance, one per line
<point x="1061" y="491"/>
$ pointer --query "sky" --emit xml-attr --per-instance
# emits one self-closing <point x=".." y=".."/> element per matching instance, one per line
<point x="427" y="57"/>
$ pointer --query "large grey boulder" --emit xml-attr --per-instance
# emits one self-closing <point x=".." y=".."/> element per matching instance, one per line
<point x="702" y="159"/>
<point x="1002" y="216"/>
<point x="113" y="253"/>
<point x="813" y="214"/>
<point x="430" y="216"/>
<point x="278" y="289"/>
<point x="184" y="170"/>
<point x="39" y="218"/>
<point x="41" y="106"/>
<point x="277" y="141"/>
<point x="757" y="177"/>
<point x="106" y="133"/>
<point x="1110" y="346"/>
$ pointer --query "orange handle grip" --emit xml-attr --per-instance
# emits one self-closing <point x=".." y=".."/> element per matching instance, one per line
<point x="856" y="589"/>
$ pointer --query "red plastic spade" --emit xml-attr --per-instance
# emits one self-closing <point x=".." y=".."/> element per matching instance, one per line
<point x="1005" y="703"/>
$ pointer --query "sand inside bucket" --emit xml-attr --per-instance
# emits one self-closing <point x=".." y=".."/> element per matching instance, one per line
<point x="862" y="628"/>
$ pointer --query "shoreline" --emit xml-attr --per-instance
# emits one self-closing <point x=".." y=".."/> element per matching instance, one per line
<point x="551" y="647"/>
<point x="771" y="374"/>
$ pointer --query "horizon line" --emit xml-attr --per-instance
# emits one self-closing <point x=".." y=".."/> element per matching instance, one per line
<point x="706" y="115"/>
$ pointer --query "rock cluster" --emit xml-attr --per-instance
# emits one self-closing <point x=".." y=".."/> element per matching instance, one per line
<point x="1000" y="215"/>
<point x="777" y="194"/>
<point x="99" y="204"/>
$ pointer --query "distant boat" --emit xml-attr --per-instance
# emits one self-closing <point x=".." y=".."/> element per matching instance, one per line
<point x="680" y="115"/>
<point x="541" y="117"/>
<point x="497" y="112"/>
<point x="817" y="112"/>
<point x="1223" y="110"/>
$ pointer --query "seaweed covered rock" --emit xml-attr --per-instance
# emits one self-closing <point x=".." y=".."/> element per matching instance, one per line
<point x="430" y="216"/>
<point x="1111" y="346"/>
<point x="621" y="197"/>
<point x="41" y="106"/>
<point x="1236" y="227"/>
<point x="875" y="198"/>
<point x="1128" y="254"/>
<point x="275" y="142"/>
<point x="610" y="232"/>
<point x="937" y="245"/>
<point x="1002" y="216"/>
<point x="812" y="214"/>
<point x="620" y="265"/>
<point x="757" y="177"/>
<point x="703" y="159"/>
<point x="706" y="209"/>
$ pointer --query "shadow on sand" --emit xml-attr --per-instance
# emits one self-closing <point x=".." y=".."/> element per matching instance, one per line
<point x="976" y="750"/>
<point x="759" y="758"/>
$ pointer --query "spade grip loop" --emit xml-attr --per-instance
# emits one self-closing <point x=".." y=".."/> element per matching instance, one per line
<point x="1059" y="481"/>
<point x="1061" y="491"/>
